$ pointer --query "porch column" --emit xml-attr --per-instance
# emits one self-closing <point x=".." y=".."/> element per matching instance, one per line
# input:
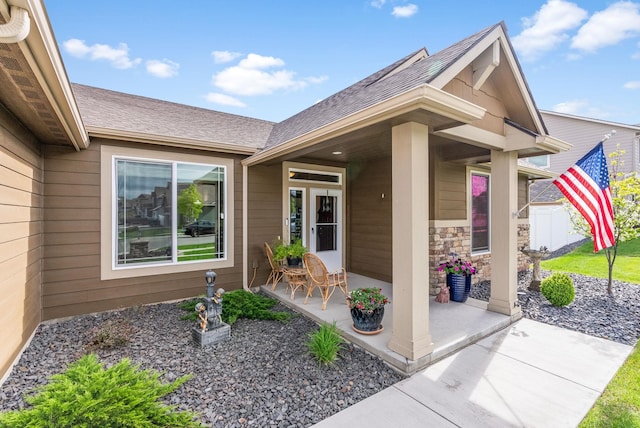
<point x="504" y="233"/>
<point x="410" y="172"/>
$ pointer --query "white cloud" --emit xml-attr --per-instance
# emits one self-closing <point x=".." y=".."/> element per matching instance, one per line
<point x="547" y="28"/>
<point x="571" y="107"/>
<point x="316" y="80"/>
<point x="221" y="57"/>
<point x="405" y="11"/>
<point x="117" y="57"/>
<point x="253" y="76"/>
<point x="581" y="108"/>
<point x="225" y="100"/>
<point x="634" y="84"/>
<point x="255" y="61"/>
<point x="619" y="21"/>
<point x="378" y="3"/>
<point x="244" y="81"/>
<point x="162" y="69"/>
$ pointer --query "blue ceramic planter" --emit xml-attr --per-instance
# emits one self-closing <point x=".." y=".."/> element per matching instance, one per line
<point x="459" y="286"/>
<point x="367" y="322"/>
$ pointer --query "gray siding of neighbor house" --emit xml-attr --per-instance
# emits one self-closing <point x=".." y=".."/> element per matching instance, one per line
<point x="265" y="214"/>
<point x="369" y="220"/>
<point x="71" y="269"/>
<point x="21" y="183"/>
<point x="584" y="135"/>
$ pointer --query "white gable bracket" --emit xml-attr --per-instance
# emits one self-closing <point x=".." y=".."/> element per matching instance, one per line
<point x="484" y="65"/>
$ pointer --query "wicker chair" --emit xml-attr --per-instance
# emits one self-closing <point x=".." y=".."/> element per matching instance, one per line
<point x="276" y="269"/>
<point x="326" y="281"/>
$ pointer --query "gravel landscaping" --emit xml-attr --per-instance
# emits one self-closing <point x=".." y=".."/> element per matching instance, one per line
<point x="593" y="311"/>
<point x="264" y="376"/>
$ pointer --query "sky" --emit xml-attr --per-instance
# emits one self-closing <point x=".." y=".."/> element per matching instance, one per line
<point x="272" y="59"/>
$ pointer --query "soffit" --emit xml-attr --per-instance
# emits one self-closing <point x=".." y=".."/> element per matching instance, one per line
<point x="35" y="88"/>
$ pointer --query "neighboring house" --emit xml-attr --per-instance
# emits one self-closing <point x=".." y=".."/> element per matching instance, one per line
<point x="550" y="225"/>
<point x="385" y="178"/>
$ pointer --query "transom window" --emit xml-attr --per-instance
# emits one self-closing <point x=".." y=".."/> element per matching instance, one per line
<point x="167" y="212"/>
<point x="480" y="221"/>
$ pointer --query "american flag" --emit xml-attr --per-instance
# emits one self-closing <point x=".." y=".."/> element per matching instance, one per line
<point x="586" y="186"/>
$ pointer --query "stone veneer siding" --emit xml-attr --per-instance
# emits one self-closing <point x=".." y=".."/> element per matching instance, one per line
<point x="446" y="240"/>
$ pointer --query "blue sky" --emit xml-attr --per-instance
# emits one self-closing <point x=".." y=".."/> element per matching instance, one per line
<point x="272" y="59"/>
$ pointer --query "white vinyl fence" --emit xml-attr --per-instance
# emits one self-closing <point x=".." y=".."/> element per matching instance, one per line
<point x="550" y="227"/>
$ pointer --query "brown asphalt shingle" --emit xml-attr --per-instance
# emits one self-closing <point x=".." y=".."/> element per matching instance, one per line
<point x="131" y="113"/>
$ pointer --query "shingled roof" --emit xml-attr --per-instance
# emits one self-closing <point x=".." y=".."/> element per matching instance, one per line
<point x="105" y="109"/>
<point x="378" y="87"/>
<point x="126" y="113"/>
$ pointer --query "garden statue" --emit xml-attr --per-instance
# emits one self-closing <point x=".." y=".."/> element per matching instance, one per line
<point x="211" y="329"/>
<point x="536" y="256"/>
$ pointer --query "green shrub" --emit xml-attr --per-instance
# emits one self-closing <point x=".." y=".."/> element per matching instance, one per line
<point x="558" y="289"/>
<point x="241" y="304"/>
<point x="87" y="395"/>
<point x="325" y="343"/>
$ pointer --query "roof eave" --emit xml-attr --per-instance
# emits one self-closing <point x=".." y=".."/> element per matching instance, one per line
<point x="552" y="144"/>
<point x="167" y="141"/>
<point x="41" y="52"/>
<point x="423" y="97"/>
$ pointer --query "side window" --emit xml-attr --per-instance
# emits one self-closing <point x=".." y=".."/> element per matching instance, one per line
<point x="542" y="161"/>
<point x="480" y="221"/>
<point x="168" y="213"/>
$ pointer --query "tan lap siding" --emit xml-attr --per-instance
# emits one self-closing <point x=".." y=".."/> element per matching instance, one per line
<point x="370" y="229"/>
<point x="71" y="272"/>
<point x="265" y="212"/>
<point x="20" y="238"/>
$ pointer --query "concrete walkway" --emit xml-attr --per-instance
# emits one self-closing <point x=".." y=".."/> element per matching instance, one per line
<point x="527" y="375"/>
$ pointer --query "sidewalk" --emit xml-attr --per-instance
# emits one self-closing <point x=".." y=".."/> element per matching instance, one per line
<point x="527" y="375"/>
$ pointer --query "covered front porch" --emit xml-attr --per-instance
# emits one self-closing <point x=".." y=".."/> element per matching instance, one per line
<point x="452" y="325"/>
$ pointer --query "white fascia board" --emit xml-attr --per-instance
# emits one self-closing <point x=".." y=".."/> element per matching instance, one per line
<point x="163" y="140"/>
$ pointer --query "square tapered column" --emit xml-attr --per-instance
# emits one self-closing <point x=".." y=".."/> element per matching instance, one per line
<point x="410" y="173"/>
<point x="504" y="233"/>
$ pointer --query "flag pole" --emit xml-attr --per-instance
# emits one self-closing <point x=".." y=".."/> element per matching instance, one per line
<point x="517" y="213"/>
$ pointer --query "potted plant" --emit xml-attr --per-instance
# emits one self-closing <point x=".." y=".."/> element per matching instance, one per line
<point x="367" y="309"/>
<point x="292" y="253"/>
<point x="459" y="273"/>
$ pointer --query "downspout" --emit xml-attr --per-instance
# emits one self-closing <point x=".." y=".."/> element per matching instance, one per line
<point x="245" y="222"/>
<point x="17" y="29"/>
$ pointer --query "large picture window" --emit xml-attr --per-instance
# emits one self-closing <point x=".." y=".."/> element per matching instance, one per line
<point x="480" y="212"/>
<point x="168" y="212"/>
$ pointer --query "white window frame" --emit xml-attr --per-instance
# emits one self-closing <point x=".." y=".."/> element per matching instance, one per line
<point x="108" y="265"/>
<point x="470" y="172"/>
<point x="547" y="159"/>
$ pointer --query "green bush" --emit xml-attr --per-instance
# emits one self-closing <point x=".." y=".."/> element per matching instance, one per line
<point x="240" y="304"/>
<point x="325" y="343"/>
<point x="87" y="395"/>
<point x="558" y="289"/>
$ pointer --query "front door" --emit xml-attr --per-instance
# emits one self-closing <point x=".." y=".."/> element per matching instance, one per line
<point x="326" y="226"/>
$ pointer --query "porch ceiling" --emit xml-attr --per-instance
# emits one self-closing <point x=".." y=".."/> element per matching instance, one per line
<point x="370" y="142"/>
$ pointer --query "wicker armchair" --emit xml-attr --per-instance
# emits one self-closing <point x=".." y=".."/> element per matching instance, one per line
<point x="326" y="281"/>
<point x="277" y="271"/>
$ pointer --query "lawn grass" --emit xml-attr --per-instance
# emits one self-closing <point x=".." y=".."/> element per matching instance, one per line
<point x="619" y="404"/>
<point x="584" y="261"/>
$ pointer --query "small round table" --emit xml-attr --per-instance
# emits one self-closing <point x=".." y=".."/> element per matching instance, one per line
<point x="296" y="278"/>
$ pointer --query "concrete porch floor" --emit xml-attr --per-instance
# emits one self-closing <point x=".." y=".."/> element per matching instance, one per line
<point x="453" y="325"/>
